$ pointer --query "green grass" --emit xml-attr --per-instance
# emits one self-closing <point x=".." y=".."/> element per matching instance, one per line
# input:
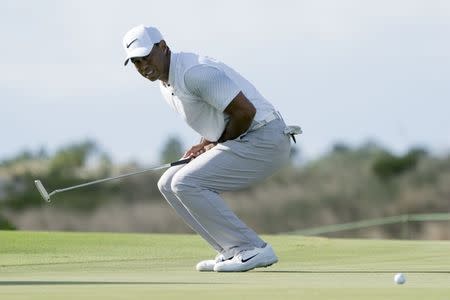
<point x="56" y="265"/>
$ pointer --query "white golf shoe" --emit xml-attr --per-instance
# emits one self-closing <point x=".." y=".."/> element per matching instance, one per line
<point x="208" y="265"/>
<point x="247" y="260"/>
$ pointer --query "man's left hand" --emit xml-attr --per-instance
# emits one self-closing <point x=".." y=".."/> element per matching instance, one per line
<point x="199" y="149"/>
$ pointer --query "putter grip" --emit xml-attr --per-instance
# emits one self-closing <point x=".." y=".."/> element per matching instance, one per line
<point x="181" y="162"/>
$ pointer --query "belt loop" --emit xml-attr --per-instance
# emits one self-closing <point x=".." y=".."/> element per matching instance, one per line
<point x="273" y="116"/>
<point x="279" y="115"/>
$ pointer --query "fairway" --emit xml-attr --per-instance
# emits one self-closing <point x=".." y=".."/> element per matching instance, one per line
<point x="59" y="265"/>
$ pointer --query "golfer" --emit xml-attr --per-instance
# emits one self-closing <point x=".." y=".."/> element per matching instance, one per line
<point x="243" y="140"/>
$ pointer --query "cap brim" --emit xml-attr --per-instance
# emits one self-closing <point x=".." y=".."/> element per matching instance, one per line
<point x="136" y="52"/>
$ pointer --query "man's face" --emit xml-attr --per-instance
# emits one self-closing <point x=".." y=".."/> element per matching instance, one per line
<point x="150" y="66"/>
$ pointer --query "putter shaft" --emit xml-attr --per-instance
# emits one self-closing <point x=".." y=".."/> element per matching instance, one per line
<point x="46" y="196"/>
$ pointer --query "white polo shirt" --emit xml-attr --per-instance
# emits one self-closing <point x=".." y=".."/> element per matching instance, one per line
<point x="200" y="88"/>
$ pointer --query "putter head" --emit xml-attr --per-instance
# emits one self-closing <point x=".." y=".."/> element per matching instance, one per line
<point x="42" y="190"/>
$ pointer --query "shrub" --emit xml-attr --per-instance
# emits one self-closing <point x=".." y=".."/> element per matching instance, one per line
<point x="388" y="165"/>
<point x="5" y="224"/>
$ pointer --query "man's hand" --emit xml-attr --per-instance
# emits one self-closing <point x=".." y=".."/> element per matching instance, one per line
<point x="199" y="149"/>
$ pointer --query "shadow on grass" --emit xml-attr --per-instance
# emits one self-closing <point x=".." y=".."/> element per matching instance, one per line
<point x="351" y="272"/>
<point x="33" y="282"/>
<point x="76" y="262"/>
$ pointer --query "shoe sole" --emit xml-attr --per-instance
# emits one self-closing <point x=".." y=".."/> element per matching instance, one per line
<point x="267" y="265"/>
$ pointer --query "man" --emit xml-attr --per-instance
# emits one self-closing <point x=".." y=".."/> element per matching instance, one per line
<point x="244" y="140"/>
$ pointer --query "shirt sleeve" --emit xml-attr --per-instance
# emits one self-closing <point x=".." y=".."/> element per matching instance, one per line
<point x="212" y="85"/>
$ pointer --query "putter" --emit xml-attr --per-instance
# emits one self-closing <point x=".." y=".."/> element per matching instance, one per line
<point x="46" y="196"/>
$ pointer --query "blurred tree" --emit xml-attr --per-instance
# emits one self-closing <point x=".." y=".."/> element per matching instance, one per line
<point x="42" y="153"/>
<point x="417" y="152"/>
<point x="70" y="158"/>
<point x="340" y="147"/>
<point x="172" y="150"/>
<point x="70" y="165"/>
<point x="23" y="156"/>
<point x="388" y="165"/>
<point x="105" y="164"/>
<point x="5" y="224"/>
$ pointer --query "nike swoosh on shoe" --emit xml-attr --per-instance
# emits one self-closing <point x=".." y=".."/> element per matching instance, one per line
<point x="247" y="259"/>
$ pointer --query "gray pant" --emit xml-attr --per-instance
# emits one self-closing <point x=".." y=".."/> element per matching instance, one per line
<point x="193" y="189"/>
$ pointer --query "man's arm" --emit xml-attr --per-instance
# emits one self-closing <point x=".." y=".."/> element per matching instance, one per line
<point x="241" y="112"/>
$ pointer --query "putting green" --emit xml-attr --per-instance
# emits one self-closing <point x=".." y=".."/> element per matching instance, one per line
<point x="59" y="265"/>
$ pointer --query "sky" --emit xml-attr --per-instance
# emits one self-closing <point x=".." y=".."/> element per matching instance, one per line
<point x="345" y="71"/>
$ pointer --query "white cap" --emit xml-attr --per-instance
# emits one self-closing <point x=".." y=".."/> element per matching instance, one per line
<point x="139" y="41"/>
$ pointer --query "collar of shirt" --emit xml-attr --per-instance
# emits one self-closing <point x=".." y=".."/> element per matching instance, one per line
<point x="172" y="69"/>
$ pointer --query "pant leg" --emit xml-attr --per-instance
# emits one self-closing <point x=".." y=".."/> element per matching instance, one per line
<point x="164" y="185"/>
<point x="227" y="167"/>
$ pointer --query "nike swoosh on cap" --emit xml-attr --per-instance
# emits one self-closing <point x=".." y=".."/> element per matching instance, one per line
<point x="128" y="46"/>
<point x="247" y="259"/>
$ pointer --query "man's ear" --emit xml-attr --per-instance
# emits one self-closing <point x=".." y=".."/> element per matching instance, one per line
<point x="163" y="46"/>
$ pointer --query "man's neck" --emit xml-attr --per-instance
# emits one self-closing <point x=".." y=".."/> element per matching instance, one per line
<point x="165" y="77"/>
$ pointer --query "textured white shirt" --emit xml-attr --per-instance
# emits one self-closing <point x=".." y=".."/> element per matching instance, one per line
<point x="200" y="88"/>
